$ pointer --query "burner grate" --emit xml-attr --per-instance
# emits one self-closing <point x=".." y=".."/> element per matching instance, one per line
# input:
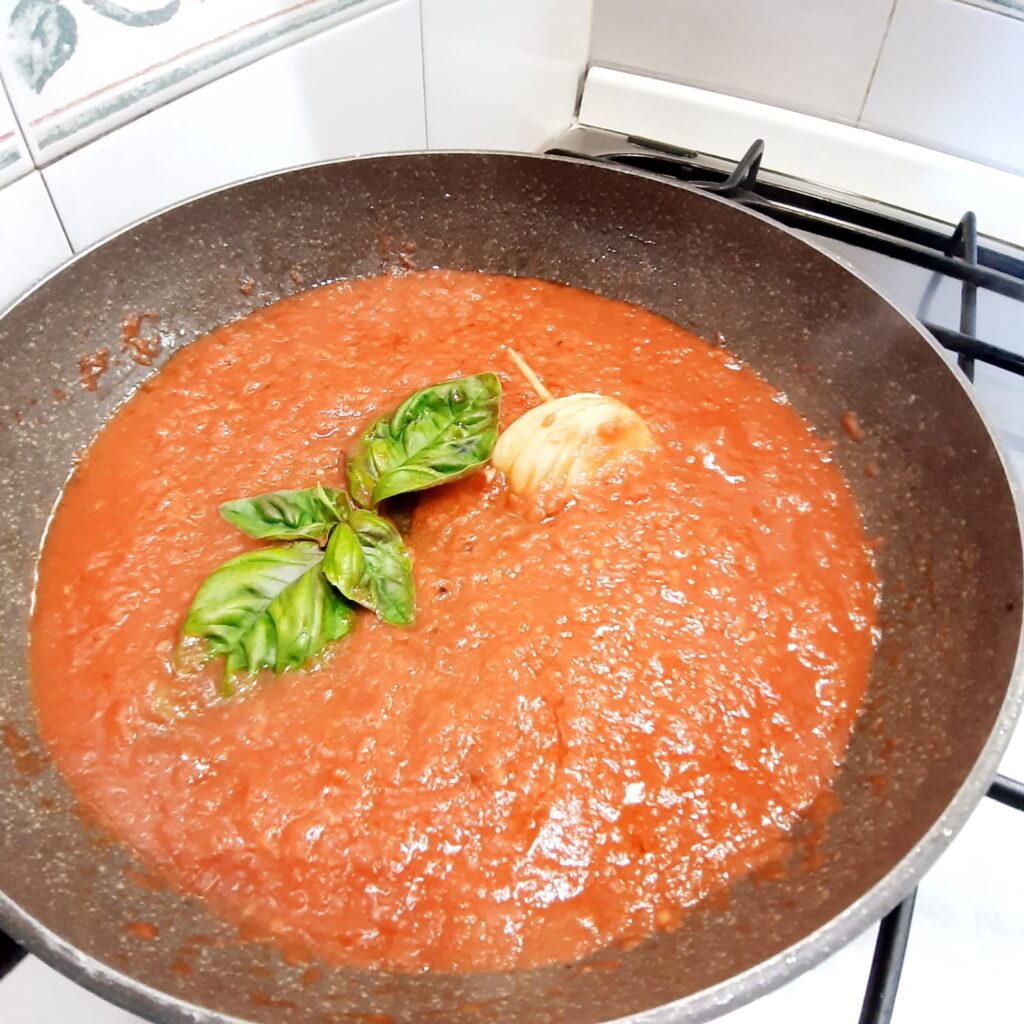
<point x="10" y="954"/>
<point x="958" y="257"/>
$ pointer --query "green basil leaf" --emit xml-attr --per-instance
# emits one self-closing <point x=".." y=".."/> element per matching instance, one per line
<point x="270" y="608"/>
<point x="343" y="560"/>
<point x="256" y="649"/>
<point x="436" y="435"/>
<point x="335" y="500"/>
<point x="306" y="617"/>
<point x="367" y="561"/>
<point x="288" y="515"/>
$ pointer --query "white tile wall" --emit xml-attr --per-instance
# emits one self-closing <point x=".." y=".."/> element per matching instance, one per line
<point x="355" y="88"/>
<point x="809" y="55"/>
<point x="32" y="242"/>
<point x="947" y="74"/>
<point x="951" y="76"/>
<point x="78" y="69"/>
<point x="500" y="74"/>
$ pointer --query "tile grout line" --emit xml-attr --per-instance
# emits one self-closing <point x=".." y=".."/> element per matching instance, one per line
<point x="56" y="211"/>
<point x="878" y="60"/>
<point x="34" y="167"/>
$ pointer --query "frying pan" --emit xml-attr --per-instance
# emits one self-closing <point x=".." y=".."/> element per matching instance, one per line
<point x="944" y="688"/>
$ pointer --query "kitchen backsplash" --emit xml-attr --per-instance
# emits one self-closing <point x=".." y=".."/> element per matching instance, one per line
<point x="77" y="68"/>
<point x="948" y="74"/>
<point x="121" y="107"/>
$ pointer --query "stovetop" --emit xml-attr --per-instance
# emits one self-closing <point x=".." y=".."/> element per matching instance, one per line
<point x="960" y="945"/>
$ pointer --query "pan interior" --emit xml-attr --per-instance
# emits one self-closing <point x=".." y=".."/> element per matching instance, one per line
<point x="950" y="558"/>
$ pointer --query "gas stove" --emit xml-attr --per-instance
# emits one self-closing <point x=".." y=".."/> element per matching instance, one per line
<point x="955" y="947"/>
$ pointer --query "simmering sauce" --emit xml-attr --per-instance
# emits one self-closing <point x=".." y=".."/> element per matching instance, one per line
<point x="598" y="718"/>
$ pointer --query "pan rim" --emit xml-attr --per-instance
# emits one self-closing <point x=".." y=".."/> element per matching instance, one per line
<point x="131" y="994"/>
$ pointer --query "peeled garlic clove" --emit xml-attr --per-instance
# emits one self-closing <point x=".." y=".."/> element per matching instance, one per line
<point x="558" y="448"/>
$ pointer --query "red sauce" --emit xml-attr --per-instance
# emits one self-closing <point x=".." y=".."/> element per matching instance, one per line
<point x="26" y="762"/>
<point x="143" y="880"/>
<point x="143" y="349"/>
<point x="182" y="968"/>
<point x="91" y="368"/>
<point x="851" y="425"/>
<point x="597" y="721"/>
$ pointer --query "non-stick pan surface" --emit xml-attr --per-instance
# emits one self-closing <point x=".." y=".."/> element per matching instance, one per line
<point x="941" y="699"/>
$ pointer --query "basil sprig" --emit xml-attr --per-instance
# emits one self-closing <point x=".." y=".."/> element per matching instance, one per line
<point x="278" y="607"/>
<point x="436" y="435"/>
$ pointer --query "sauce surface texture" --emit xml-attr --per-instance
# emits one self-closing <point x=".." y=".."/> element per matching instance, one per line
<point x="596" y="721"/>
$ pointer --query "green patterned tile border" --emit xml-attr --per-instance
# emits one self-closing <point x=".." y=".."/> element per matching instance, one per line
<point x="8" y="157"/>
<point x="77" y="122"/>
<point x="1014" y="8"/>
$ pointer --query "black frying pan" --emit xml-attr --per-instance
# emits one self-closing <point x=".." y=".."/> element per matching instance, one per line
<point x="943" y="693"/>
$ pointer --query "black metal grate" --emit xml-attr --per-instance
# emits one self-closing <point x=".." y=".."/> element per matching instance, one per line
<point x="894" y="929"/>
<point x="10" y="954"/>
<point x="957" y="256"/>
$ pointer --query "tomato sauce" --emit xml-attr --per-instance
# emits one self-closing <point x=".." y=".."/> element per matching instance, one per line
<point x="598" y="719"/>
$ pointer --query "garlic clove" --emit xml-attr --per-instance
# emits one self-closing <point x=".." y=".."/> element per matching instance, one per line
<point x="557" y="449"/>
